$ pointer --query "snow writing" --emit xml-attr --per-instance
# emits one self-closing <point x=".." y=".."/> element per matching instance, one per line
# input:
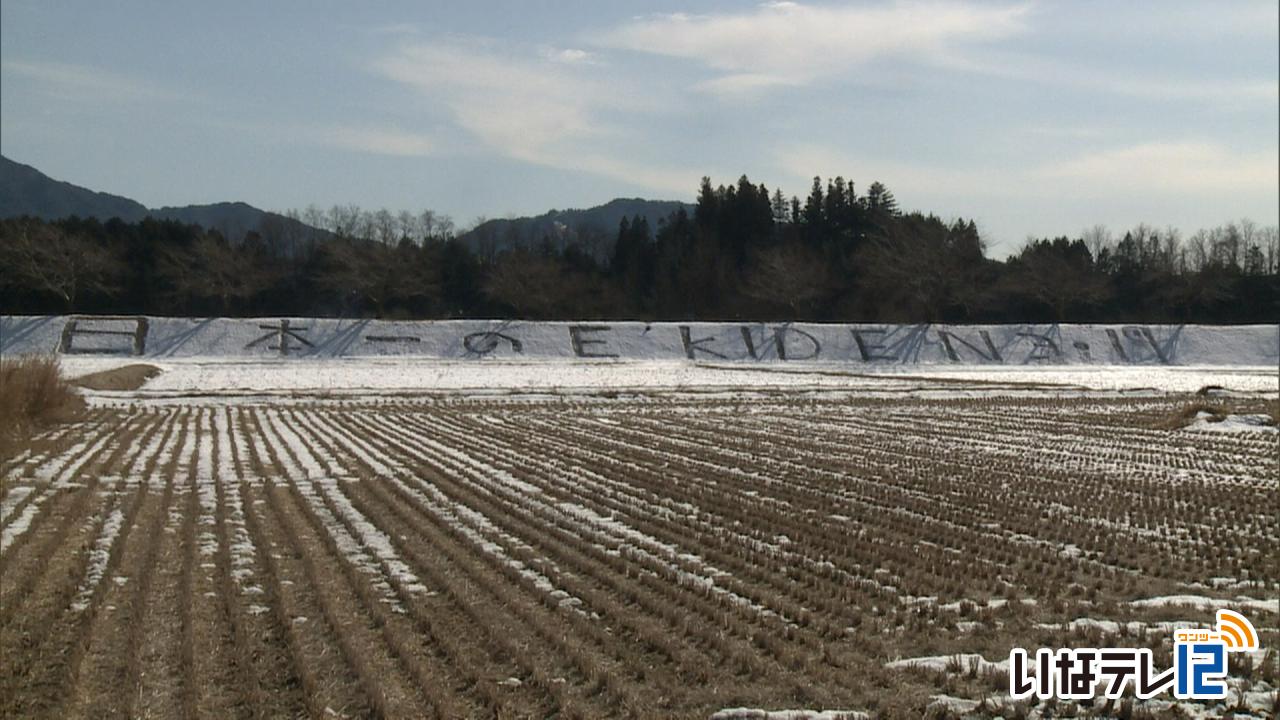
<point x="282" y="333"/>
<point x="737" y="342"/>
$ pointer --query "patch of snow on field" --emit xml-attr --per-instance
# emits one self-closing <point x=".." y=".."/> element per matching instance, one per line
<point x="99" y="554"/>
<point x="12" y="499"/>
<point x="1112" y="627"/>
<point x="703" y="575"/>
<point x="1207" y="603"/>
<point x="1205" y="422"/>
<point x="960" y="663"/>
<point x="206" y="488"/>
<point x="369" y="548"/>
<point x="241" y="543"/>
<point x="204" y="379"/>
<point x="471" y="523"/>
<point x="59" y="473"/>
<point x="952" y="705"/>
<point x="757" y="714"/>
<point x="149" y="450"/>
<point x="1111" y="377"/>
<point x="61" y="469"/>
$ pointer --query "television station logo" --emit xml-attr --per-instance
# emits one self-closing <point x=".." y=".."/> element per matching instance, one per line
<point x="1199" y="669"/>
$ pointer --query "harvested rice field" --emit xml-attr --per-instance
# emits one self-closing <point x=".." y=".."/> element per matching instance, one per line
<point x="623" y="554"/>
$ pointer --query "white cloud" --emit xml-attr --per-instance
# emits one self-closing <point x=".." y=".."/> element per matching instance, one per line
<point x="1220" y="91"/>
<point x="520" y="105"/>
<point x="1175" y="171"/>
<point x="781" y="44"/>
<point x="378" y="141"/>
<point x="1185" y="183"/>
<point x="1184" y="21"/>
<point x="1182" y="168"/>
<point x="84" y="83"/>
<point x="570" y="56"/>
<point x="550" y="107"/>
<point x="744" y="85"/>
<point x="800" y="162"/>
<point x="788" y="43"/>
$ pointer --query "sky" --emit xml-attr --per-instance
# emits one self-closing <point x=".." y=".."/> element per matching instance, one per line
<point x="1032" y="118"/>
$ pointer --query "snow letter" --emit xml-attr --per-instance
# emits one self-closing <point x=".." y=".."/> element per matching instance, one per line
<point x="691" y="346"/>
<point x="576" y="338"/>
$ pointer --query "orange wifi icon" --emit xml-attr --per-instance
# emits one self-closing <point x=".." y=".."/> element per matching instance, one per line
<point x="1236" y="631"/>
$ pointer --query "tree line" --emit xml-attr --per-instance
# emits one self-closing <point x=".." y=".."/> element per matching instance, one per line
<point x="744" y="253"/>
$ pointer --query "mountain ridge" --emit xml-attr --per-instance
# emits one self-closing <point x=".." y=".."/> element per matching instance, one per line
<point x="25" y="190"/>
<point x="593" y="229"/>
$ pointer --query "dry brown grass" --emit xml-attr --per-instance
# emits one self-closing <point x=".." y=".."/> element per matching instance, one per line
<point x="1216" y="410"/>
<point x="33" y="394"/>
<point x="1187" y="414"/>
<point x="129" y="377"/>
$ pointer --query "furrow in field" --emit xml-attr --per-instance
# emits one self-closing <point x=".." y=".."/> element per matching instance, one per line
<point x="355" y="490"/>
<point x="162" y="657"/>
<point x="49" y="446"/>
<point x="394" y="498"/>
<point x="676" y="553"/>
<point x="110" y="664"/>
<point x="69" y="512"/>
<point x="706" y="486"/>
<point x="327" y="679"/>
<point x="658" y="504"/>
<point x="1034" y="496"/>
<point x="785" y="483"/>
<point x="312" y="474"/>
<point x="380" y="579"/>
<point x="66" y="600"/>
<point x="619" y="577"/>
<point x="57" y="475"/>
<point x="382" y="682"/>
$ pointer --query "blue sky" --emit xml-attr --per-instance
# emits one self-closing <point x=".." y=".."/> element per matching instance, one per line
<point x="1034" y="118"/>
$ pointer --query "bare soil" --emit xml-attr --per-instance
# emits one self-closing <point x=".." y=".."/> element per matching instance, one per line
<point x="598" y="557"/>
<point x="129" y="377"/>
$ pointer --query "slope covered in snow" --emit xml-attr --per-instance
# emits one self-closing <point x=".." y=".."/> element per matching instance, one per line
<point x="856" y="345"/>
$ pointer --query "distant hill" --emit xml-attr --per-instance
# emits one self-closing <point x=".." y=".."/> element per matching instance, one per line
<point x="25" y="190"/>
<point x="232" y="219"/>
<point x="595" y="229"/>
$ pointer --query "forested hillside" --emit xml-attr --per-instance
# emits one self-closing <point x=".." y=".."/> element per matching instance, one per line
<point x="742" y="253"/>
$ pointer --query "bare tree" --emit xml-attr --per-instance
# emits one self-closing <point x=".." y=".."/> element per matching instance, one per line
<point x="210" y="269"/>
<point x="790" y="275"/>
<point x="42" y="258"/>
<point x="427" y="220"/>
<point x="364" y="272"/>
<point x="1059" y="275"/>
<point x="1225" y="246"/>
<point x="444" y="229"/>
<point x="918" y="268"/>
<point x="383" y="227"/>
<point x="1171" y="250"/>
<point x="407" y="227"/>
<point x="1198" y="250"/>
<point x="343" y="220"/>
<point x="1097" y="239"/>
<point x="315" y="217"/>
<point x="1248" y="232"/>
<point x="1269" y="238"/>
<point x="532" y="285"/>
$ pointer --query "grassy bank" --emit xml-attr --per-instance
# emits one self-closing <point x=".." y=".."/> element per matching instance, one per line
<point x="33" y="395"/>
